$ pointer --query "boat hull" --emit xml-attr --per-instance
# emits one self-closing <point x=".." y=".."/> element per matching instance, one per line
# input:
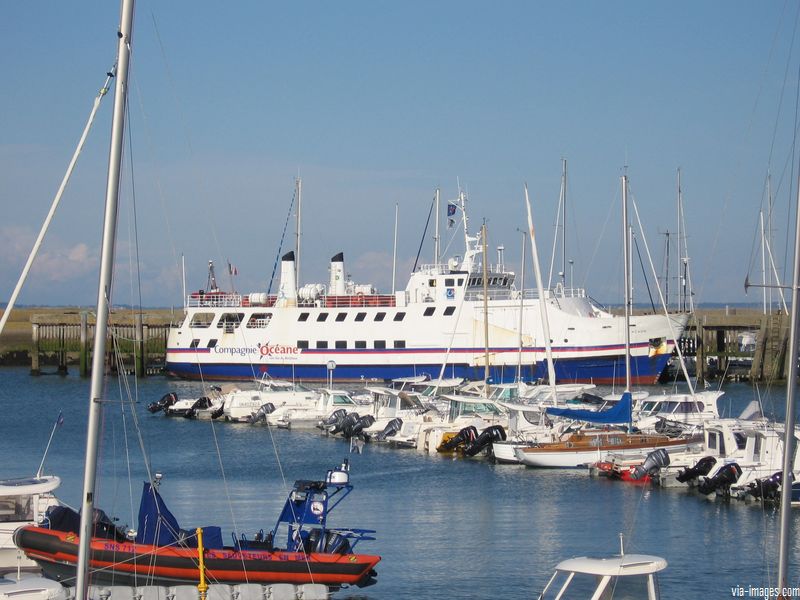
<point x="576" y="457"/>
<point x="128" y="563"/>
<point x="604" y="369"/>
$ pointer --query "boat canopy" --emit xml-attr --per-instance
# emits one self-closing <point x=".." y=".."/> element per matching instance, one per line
<point x="619" y="413"/>
<point x="159" y="527"/>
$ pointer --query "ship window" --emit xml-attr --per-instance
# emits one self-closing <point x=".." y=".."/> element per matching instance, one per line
<point x="449" y="311"/>
<point x="399" y="344"/>
<point x="195" y="343"/>
<point x="16" y="508"/>
<point x="322" y="317"/>
<point x="741" y="440"/>
<point x="341" y="317"/>
<point x="303" y="317"/>
<point x="361" y="316"/>
<point x="201" y="320"/>
<point x="432" y="282"/>
<point x="450" y="282"/>
<point x="341" y="344"/>
<point x="302" y="343"/>
<point x="259" y="320"/>
<point x="361" y="344"/>
<point x="380" y="344"/>
<point x="400" y="316"/>
<point x="380" y="316"/>
<point x="211" y="344"/>
<point x="429" y="311"/>
<point x="712" y="440"/>
<point x="460" y="281"/>
<point x="322" y="344"/>
<point x="230" y="321"/>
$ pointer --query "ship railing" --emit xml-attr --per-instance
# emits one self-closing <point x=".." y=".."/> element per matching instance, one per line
<point x="213" y="299"/>
<point x="528" y="294"/>
<point x="384" y="300"/>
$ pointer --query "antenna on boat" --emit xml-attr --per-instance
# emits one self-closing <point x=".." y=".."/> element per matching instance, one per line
<point x="621" y="544"/>
<point x="56" y="425"/>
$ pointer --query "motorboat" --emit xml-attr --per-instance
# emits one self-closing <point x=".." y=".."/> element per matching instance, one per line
<point x="309" y="413"/>
<point x="23" y="501"/>
<point x="242" y="405"/>
<point x="621" y="576"/>
<point x="301" y="548"/>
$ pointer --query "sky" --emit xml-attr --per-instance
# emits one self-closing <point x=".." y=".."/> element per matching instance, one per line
<point x="375" y="105"/>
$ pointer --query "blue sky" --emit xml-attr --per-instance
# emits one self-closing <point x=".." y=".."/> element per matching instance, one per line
<point x="375" y="104"/>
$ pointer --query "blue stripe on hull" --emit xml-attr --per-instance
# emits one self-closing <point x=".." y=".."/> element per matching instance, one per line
<point x="601" y="370"/>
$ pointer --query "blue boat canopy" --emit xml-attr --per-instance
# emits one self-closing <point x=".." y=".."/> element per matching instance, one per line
<point x="619" y="413"/>
<point x="159" y="527"/>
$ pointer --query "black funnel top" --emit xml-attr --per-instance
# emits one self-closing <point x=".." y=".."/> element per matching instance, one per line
<point x="338" y="258"/>
<point x="289" y="256"/>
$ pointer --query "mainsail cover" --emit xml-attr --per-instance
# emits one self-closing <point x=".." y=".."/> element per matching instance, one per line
<point x="619" y="413"/>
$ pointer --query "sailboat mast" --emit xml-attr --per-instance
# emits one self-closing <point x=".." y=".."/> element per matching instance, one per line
<point x="436" y="236"/>
<point x="104" y="293"/>
<point x="297" y="228"/>
<point x="521" y="308"/>
<point x="788" y="436"/>
<point x="626" y="250"/>
<point x="564" y="224"/>
<point x="551" y="373"/>
<point x="485" y="312"/>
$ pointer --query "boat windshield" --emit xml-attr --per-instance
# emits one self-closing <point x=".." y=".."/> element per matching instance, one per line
<point x="584" y="585"/>
<point x="16" y="508"/>
<point x="340" y="399"/>
<point x="459" y="408"/>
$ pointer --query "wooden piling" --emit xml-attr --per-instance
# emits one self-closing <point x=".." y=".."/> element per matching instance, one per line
<point x="139" y="361"/>
<point x="35" y="370"/>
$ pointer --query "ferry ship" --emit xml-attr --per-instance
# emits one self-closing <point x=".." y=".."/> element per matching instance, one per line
<point x="435" y="326"/>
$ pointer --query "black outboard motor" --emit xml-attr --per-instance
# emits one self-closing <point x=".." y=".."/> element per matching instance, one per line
<point x="334" y="419"/>
<point x="261" y="413"/>
<point x="392" y="428"/>
<point x="768" y="488"/>
<point x="359" y="426"/>
<point x="348" y="422"/>
<point x="652" y="463"/>
<point x="722" y="481"/>
<point x="165" y="401"/>
<point x="492" y="434"/>
<point x="219" y="412"/>
<point x="465" y="436"/>
<point x="701" y="469"/>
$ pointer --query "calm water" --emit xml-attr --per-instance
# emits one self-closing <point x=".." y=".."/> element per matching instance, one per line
<point x="446" y="528"/>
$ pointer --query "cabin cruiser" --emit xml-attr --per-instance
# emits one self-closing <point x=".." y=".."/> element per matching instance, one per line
<point x="23" y="501"/>
<point x="309" y="413"/>
<point x="241" y="405"/>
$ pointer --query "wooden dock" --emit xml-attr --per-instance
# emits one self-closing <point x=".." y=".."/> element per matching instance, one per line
<point x="136" y="342"/>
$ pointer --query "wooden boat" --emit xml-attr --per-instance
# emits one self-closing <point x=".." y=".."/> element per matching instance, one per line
<point x="590" y="446"/>
<point x="164" y="554"/>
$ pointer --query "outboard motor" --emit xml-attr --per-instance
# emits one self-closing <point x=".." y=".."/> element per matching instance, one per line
<point x="360" y="425"/>
<point x="492" y="434"/>
<point x="334" y="419"/>
<point x="701" y="469"/>
<point x="165" y="401"/>
<point x="724" y="478"/>
<point x="392" y="428"/>
<point x="654" y="461"/>
<point x="219" y="412"/>
<point x="261" y="413"/>
<point x="465" y="436"/>
<point x="347" y="423"/>
<point x="768" y="488"/>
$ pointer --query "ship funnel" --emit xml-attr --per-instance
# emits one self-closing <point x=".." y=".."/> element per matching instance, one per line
<point x="287" y="292"/>
<point x="338" y="286"/>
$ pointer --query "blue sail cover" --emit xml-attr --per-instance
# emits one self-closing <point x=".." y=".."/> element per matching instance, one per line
<point x="159" y="527"/>
<point x="619" y="413"/>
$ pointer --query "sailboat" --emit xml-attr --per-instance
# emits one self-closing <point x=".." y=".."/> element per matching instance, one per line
<point x="77" y="549"/>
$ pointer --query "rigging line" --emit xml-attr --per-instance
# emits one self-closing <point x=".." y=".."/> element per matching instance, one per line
<point x="600" y="237"/>
<point x="185" y="130"/>
<point x="280" y="243"/>
<point x="424" y="233"/>
<point x="790" y="204"/>
<point x="70" y="168"/>
<point x="644" y="273"/>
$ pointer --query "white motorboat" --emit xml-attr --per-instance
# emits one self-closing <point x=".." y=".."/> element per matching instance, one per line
<point x="242" y="405"/>
<point x="399" y="415"/>
<point x="23" y="501"/>
<point x="622" y="576"/>
<point x="310" y="413"/>
<point x="27" y="586"/>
